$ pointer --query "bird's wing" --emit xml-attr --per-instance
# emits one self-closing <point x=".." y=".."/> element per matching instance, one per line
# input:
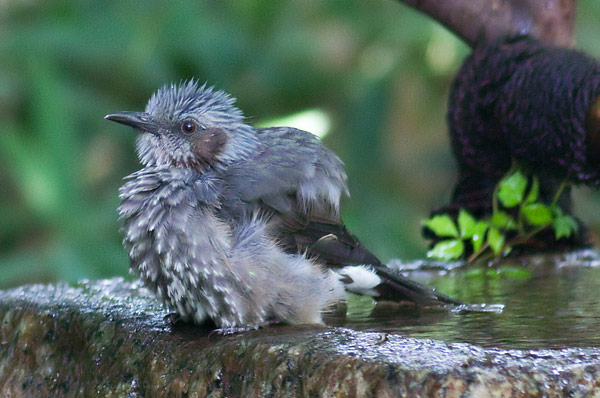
<point x="289" y="164"/>
<point x="298" y="182"/>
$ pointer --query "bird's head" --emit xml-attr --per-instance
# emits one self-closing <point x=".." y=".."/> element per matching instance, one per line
<point x="190" y="126"/>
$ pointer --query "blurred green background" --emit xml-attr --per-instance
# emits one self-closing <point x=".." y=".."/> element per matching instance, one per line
<point x="378" y="70"/>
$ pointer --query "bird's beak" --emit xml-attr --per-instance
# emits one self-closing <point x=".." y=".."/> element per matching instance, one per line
<point x="137" y="120"/>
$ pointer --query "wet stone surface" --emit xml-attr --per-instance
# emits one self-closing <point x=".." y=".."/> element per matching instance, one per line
<point x="110" y="338"/>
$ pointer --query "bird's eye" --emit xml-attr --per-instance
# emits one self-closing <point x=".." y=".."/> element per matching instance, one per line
<point x="188" y="127"/>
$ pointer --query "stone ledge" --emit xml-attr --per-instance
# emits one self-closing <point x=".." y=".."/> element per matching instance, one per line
<point x="109" y="338"/>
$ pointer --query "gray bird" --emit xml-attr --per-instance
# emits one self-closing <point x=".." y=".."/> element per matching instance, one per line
<point x="235" y="223"/>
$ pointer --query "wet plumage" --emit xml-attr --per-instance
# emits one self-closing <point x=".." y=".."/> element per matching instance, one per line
<point x="238" y="224"/>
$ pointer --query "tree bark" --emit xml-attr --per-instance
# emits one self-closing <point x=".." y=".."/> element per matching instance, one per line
<point x="550" y="21"/>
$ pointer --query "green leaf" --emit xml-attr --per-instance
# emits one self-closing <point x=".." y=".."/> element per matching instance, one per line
<point x="534" y="192"/>
<point x="495" y="239"/>
<point x="479" y="235"/>
<point x="537" y="214"/>
<point x="512" y="189"/>
<point x="442" y="225"/>
<point x="503" y="220"/>
<point x="466" y="224"/>
<point x="564" y="226"/>
<point x="446" y="250"/>
<point x="557" y="211"/>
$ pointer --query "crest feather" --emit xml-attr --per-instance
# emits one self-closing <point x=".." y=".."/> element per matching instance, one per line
<point x="188" y="97"/>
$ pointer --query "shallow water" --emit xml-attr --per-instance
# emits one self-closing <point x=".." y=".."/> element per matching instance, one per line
<point x="549" y="302"/>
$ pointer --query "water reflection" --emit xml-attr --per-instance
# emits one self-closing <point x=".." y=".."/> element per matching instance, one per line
<point x="555" y="305"/>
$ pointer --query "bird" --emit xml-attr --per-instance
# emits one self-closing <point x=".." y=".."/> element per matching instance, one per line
<point x="241" y="225"/>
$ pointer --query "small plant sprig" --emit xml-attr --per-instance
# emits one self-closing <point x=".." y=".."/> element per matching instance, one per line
<point x="502" y="231"/>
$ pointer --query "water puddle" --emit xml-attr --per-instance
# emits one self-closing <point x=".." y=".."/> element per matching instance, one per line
<point x="531" y="303"/>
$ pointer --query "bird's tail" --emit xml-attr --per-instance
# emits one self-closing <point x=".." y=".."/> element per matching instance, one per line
<point x="332" y="244"/>
<point x="384" y="283"/>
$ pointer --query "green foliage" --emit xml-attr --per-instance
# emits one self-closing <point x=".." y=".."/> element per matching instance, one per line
<point x="495" y="240"/>
<point x="493" y="233"/>
<point x="564" y="225"/>
<point x="466" y="224"/>
<point x="503" y="220"/>
<point x="511" y="189"/>
<point x="537" y="214"/>
<point x="447" y="249"/>
<point x="478" y="238"/>
<point x="442" y="226"/>
<point x="534" y="192"/>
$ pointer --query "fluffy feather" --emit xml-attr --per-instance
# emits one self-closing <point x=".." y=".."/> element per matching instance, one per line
<point x="220" y="219"/>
